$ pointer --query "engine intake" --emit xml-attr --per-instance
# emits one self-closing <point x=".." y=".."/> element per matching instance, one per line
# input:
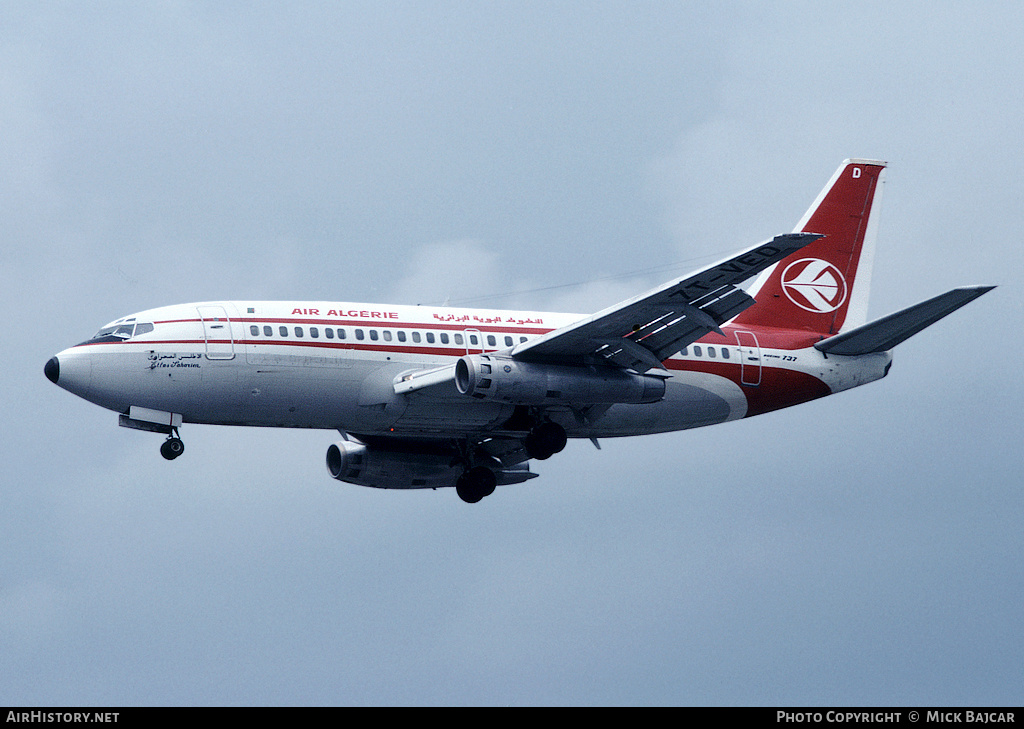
<point x="503" y="379"/>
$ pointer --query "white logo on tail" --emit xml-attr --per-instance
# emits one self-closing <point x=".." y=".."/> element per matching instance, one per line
<point x="814" y="285"/>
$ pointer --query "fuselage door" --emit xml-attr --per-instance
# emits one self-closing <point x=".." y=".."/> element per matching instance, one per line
<point x="220" y="344"/>
<point x="750" y="359"/>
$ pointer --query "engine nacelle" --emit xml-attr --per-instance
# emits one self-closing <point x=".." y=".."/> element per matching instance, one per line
<point x="486" y="376"/>
<point x="411" y="466"/>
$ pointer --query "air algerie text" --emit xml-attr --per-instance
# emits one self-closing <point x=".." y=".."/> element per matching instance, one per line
<point x="364" y="314"/>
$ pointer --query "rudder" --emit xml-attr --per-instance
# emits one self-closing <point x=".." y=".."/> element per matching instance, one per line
<point x="824" y="287"/>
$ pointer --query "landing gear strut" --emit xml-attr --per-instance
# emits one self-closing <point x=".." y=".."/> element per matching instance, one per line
<point x="475" y="484"/>
<point x="172" y="447"/>
<point x="545" y="440"/>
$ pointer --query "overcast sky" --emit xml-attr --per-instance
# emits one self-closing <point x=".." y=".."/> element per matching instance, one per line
<point x="861" y="549"/>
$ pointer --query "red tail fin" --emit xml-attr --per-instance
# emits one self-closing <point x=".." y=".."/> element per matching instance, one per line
<point x="824" y="287"/>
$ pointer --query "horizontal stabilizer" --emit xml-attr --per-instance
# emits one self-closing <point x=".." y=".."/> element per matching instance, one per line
<point x="885" y="333"/>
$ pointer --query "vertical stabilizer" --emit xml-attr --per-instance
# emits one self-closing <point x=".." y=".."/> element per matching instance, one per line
<point x="824" y="287"/>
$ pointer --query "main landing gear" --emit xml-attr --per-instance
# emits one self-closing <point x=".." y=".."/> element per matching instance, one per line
<point x="172" y="447"/>
<point x="545" y="440"/>
<point x="475" y="484"/>
<point x="477" y="481"/>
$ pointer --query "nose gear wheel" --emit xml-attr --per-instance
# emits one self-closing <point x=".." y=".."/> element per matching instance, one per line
<point x="172" y="447"/>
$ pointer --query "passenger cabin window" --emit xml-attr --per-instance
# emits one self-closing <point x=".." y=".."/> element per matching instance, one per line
<point x="458" y="339"/>
<point x="416" y="337"/>
<point x="373" y="335"/>
<point x="430" y="337"/>
<point x="298" y="331"/>
<point x="725" y="353"/>
<point x="387" y="335"/>
<point x="254" y="330"/>
<point x="508" y="341"/>
<point x="444" y="337"/>
<point x="283" y="331"/>
<point x="359" y="334"/>
<point x="329" y="333"/>
<point x="268" y="331"/>
<point x="401" y="336"/>
<point x="696" y="351"/>
<point x="314" y="332"/>
<point x="490" y="340"/>
<point x="341" y="333"/>
<point x="711" y="352"/>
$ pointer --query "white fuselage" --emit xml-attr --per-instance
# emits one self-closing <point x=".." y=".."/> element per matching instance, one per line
<point x="334" y="365"/>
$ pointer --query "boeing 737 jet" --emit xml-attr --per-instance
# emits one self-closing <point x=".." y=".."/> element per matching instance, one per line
<point x="431" y="397"/>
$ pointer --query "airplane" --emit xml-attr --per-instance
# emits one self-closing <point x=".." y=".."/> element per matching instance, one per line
<point x="432" y="397"/>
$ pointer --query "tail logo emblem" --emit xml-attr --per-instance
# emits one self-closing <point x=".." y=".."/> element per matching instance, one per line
<point x="814" y="285"/>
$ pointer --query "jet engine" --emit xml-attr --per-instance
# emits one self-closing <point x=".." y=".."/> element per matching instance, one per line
<point x="412" y="465"/>
<point x="503" y="379"/>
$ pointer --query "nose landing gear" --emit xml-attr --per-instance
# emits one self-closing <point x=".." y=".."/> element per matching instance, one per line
<point x="172" y="447"/>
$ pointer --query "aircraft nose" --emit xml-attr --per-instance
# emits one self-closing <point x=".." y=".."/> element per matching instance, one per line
<point x="71" y="370"/>
<point x="52" y="370"/>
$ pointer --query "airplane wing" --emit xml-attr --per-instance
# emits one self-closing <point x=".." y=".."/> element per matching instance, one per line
<point x="640" y="333"/>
